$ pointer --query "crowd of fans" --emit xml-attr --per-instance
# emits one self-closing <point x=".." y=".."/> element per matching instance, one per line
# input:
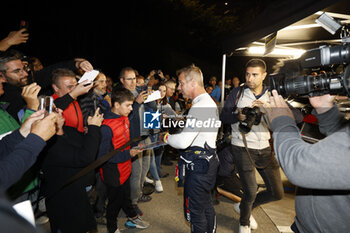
<point x="52" y="143"/>
<point x="78" y="112"/>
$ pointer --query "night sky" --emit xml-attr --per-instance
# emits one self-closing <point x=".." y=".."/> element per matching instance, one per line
<point x="146" y="35"/>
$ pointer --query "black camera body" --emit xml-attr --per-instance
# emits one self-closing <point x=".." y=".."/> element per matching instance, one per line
<point x="253" y="117"/>
<point x="294" y="84"/>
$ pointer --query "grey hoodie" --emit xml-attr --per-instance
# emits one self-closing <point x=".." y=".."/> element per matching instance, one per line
<point x="321" y="170"/>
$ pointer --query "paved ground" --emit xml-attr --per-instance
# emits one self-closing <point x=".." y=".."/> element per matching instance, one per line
<point x="165" y="215"/>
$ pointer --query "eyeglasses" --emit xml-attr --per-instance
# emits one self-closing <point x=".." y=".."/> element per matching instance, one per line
<point x="173" y="89"/>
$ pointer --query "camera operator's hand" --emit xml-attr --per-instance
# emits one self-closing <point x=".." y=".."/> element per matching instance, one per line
<point x="81" y="89"/>
<point x="260" y="104"/>
<point x="241" y="116"/>
<point x="46" y="127"/>
<point x="30" y="95"/>
<point x="278" y="107"/>
<point x="141" y="97"/>
<point x="322" y="103"/>
<point x="96" y="119"/>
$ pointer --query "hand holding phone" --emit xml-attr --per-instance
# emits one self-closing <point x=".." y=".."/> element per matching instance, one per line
<point x="46" y="102"/>
<point x="23" y="24"/>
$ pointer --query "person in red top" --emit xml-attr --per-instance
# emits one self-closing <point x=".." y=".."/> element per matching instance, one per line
<point x="116" y="172"/>
<point x="68" y="208"/>
<point x="66" y="92"/>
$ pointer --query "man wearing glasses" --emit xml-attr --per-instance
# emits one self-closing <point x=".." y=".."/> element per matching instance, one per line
<point x="13" y="70"/>
<point x="141" y="164"/>
<point x="170" y="90"/>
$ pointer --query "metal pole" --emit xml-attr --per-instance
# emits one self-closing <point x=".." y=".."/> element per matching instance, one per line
<point x="223" y="81"/>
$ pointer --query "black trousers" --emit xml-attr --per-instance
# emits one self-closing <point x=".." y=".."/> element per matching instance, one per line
<point x="198" y="207"/>
<point x="270" y="174"/>
<point x="118" y="198"/>
<point x="101" y="190"/>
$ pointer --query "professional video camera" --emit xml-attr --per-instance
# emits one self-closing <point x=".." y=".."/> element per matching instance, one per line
<point x="289" y="84"/>
<point x="293" y="84"/>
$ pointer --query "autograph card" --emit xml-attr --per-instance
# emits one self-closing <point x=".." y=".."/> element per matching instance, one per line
<point x="153" y="96"/>
<point x="89" y="75"/>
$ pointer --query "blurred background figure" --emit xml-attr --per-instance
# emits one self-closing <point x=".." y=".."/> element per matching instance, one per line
<point x="235" y="82"/>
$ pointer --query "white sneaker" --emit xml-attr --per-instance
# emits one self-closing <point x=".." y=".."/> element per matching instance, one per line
<point x="244" y="229"/>
<point x="159" y="186"/>
<point x="42" y="220"/>
<point x="236" y="207"/>
<point x="117" y="231"/>
<point x="148" y="180"/>
<point x="253" y="223"/>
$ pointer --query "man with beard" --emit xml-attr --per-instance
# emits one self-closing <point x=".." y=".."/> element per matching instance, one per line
<point x="15" y="73"/>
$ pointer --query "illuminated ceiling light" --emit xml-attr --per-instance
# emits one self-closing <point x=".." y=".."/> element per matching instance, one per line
<point x="334" y="15"/>
<point x="259" y="50"/>
<point x="305" y="26"/>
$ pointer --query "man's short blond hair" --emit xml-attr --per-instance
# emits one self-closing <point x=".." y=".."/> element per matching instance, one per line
<point x="192" y="72"/>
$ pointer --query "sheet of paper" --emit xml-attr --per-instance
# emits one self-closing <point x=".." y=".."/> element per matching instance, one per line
<point x="150" y="146"/>
<point x="25" y="209"/>
<point x="153" y="96"/>
<point x="89" y="75"/>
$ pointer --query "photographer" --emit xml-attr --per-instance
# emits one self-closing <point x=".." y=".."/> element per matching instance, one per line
<point x="321" y="169"/>
<point x="257" y="152"/>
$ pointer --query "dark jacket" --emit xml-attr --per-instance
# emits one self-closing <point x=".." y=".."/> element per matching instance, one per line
<point x="17" y="155"/>
<point x="12" y="222"/>
<point x="115" y="133"/>
<point x="69" y="208"/>
<point x="90" y="102"/>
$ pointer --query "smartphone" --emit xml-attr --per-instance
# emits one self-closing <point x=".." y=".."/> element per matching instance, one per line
<point x="46" y="102"/>
<point x="141" y="88"/>
<point x="23" y="24"/>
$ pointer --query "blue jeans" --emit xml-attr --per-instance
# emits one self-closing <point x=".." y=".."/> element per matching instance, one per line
<point x="270" y="174"/>
<point x="140" y="167"/>
<point x="158" y="154"/>
<point x="153" y="167"/>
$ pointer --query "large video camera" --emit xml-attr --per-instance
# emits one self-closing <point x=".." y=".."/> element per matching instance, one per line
<point x="295" y="84"/>
<point x="290" y="84"/>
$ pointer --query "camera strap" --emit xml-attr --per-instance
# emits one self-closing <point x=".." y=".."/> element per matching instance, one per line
<point x="238" y="96"/>
<point x="98" y="162"/>
<point x="250" y="157"/>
